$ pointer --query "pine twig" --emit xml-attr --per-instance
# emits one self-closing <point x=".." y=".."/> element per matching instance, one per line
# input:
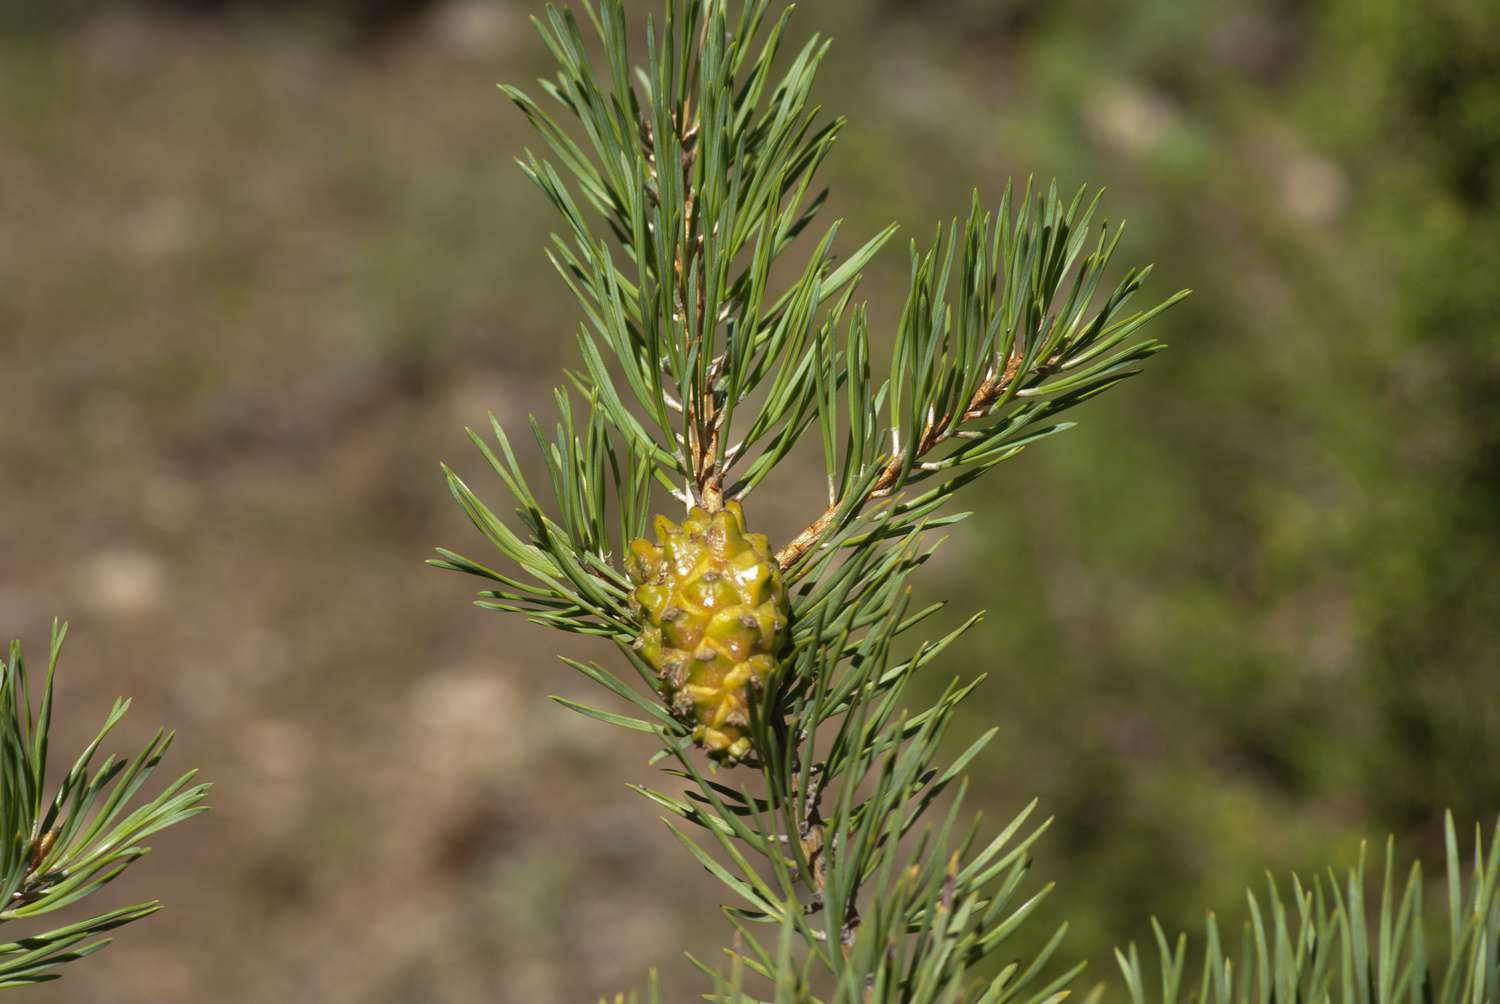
<point x="933" y="435"/>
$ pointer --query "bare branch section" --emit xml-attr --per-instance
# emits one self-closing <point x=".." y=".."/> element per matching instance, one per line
<point x="934" y="435"/>
<point x="703" y="412"/>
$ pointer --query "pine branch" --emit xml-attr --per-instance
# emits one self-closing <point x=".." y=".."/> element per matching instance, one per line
<point x="1321" y="944"/>
<point x="680" y="184"/>
<point x="977" y="371"/>
<point x="55" y="852"/>
<point x="935" y="432"/>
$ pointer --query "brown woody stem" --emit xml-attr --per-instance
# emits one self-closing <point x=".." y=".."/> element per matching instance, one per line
<point x="932" y="436"/>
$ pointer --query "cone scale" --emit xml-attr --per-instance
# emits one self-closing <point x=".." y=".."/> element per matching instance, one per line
<point x="713" y="608"/>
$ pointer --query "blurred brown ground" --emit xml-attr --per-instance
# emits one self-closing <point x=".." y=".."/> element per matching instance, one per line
<point x="228" y="377"/>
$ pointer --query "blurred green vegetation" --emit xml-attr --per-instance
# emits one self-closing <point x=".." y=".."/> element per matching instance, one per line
<point x="1247" y="613"/>
<point x="1251" y="610"/>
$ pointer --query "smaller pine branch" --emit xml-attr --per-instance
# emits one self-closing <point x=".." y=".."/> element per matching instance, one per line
<point x="1329" y="939"/>
<point x="58" y="850"/>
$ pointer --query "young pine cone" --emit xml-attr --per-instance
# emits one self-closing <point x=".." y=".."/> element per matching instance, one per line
<point x="714" y="614"/>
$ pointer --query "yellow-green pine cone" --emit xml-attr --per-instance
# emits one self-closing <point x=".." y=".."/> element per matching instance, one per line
<point x="714" y="613"/>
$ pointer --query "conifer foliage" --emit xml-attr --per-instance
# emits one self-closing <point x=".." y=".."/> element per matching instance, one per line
<point x="721" y="328"/>
<point x="56" y="850"/>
